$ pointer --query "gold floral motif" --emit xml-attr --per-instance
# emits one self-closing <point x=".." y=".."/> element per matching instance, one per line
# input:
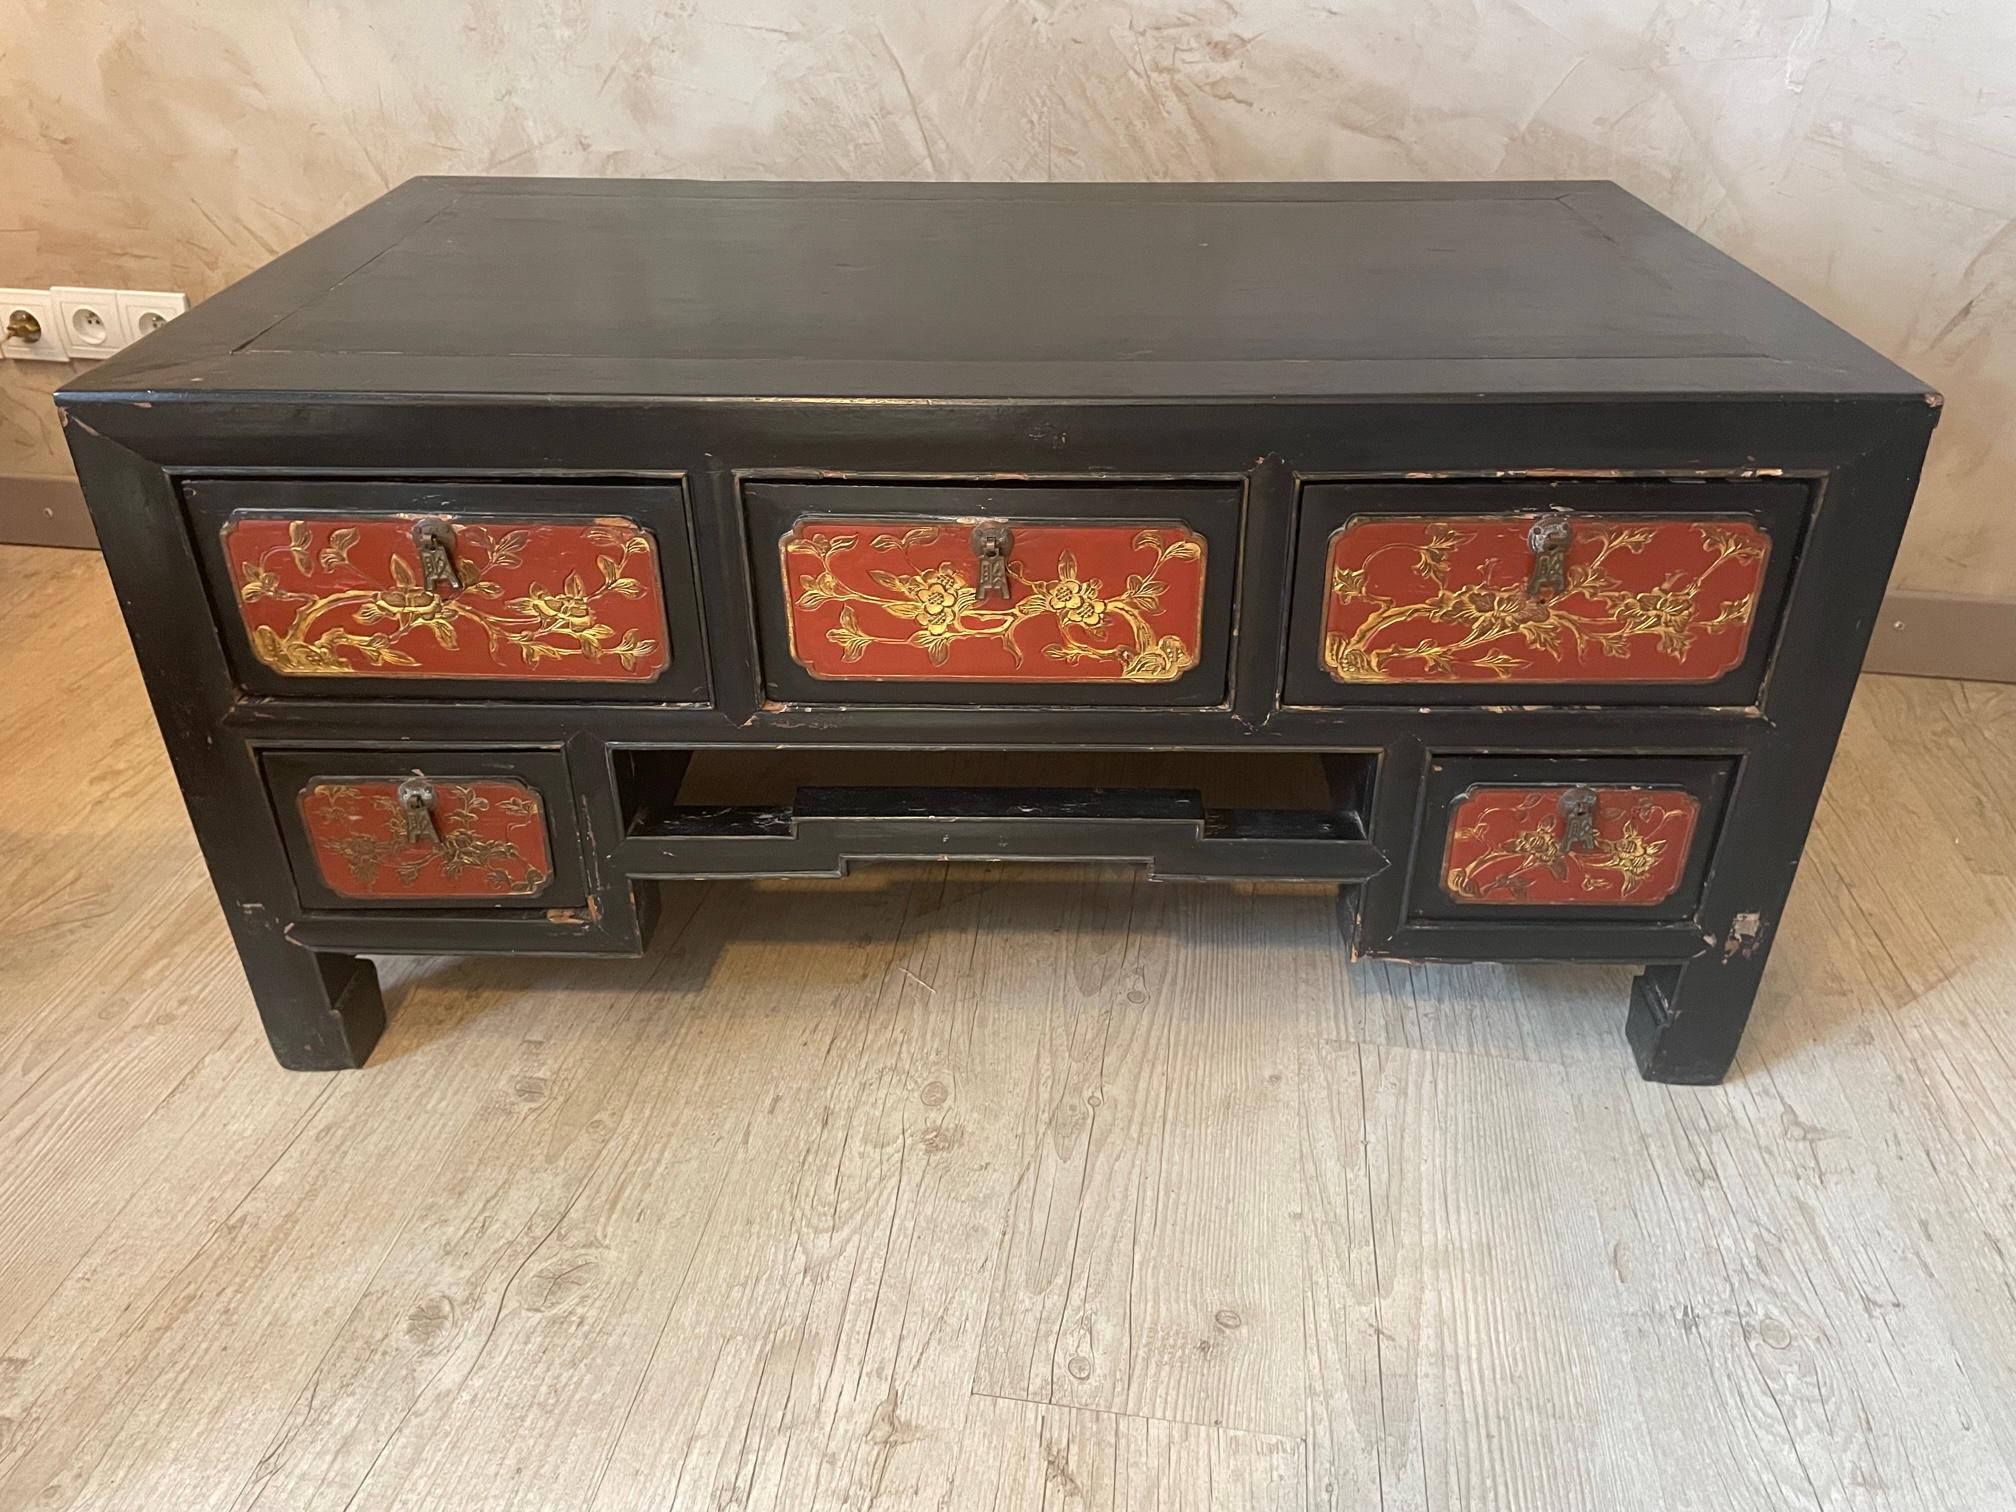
<point x="372" y="618"/>
<point x="946" y="608"/>
<point x="458" y="848"/>
<point x="1497" y="615"/>
<point x="1623" y="860"/>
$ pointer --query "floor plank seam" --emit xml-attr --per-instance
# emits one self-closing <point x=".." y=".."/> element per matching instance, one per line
<point x="1495" y="1057"/>
<point x="1143" y="1417"/>
<point x="1378" y="1273"/>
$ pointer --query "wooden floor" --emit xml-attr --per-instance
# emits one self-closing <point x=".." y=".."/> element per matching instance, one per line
<point x="996" y="1189"/>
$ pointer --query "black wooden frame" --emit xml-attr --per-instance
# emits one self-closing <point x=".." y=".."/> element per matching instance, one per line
<point x="135" y="445"/>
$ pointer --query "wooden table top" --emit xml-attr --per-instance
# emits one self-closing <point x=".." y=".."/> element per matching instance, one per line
<point x="1045" y="292"/>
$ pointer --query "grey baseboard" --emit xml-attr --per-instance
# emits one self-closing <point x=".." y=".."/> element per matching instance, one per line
<point x="1962" y="635"/>
<point x="41" y="511"/>
<point x="1919" y="634"/>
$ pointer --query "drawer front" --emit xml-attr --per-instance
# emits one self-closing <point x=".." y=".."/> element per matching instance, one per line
<point x="1624" y="837"/>
<point x="1542" y="592"/>
<point x="1446" y="598"/>
<point x="979" y="595"/>
<point x="1562" y="847"/>
<point x="345" y="595"/>
<point x="892" y="599"/>
<point x="447" y="829"/>
<point x="480" y="838"/>
<point x="333" y="587"/>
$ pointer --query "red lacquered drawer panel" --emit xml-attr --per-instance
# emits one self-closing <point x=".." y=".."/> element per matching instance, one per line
<point x="1081" y="602"/>
<point x="1519" y="845"/>
<point x="360" y="596"/>
<point x="483" y="838"/>
<point x="1452" y="599"/>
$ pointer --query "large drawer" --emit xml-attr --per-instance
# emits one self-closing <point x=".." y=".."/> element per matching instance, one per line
<point x="1540" y="591"/>
<point x="994" y="593"/>
<point x="534" y="590"/>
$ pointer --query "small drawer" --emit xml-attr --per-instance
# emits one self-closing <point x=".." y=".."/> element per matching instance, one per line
<point x="1540" y="591"/>
<point x="434" y="829"/>
<point x="1552" y="837"/>
<point x="954" y="594"/>
<point x="537" y="590"/>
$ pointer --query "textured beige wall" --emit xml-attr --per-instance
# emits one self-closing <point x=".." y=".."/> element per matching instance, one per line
<point x="1860" y="152"/>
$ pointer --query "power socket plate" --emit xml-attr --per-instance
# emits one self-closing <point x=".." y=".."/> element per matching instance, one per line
<point x="142" y="312"/>
<point x="41" y="304"/>
<point x="92" y="326"/>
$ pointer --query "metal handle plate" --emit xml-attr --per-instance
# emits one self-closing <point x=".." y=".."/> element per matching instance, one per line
<point x="1578" y="820"/>
<point x="992" y="542"/>
<point x="416" y="809"/>
<point x="1549" y="540"/>
<point x="435" y="540"/>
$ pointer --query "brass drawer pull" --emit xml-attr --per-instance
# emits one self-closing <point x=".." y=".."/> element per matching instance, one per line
<point x="1578" y="820"/>
<point x="416" y="808"/>
<point x="435" y="540"/>
<point x="1549" y="540"/>
<point x="992" y="541"/>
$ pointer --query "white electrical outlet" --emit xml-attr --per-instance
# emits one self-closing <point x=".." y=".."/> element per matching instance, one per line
<point x="34" y="331"/>
<point x="90" y="319"/>
<point x="142" y="312"/>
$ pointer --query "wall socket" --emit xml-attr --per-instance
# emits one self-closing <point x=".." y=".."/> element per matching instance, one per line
<point x="33" y="333"/>
<point x="90" y="320"/>
<point x="145" y="311"/>
<point x="68" y="323"/>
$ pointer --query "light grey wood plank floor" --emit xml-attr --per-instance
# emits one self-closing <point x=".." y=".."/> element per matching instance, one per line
<point x="1010" y="1188"/>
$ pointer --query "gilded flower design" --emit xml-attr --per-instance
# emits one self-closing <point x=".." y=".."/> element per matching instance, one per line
<point x="1103" y="635"/>
<point x="1631" y="855"/>
<point x="475" y="847"/>
<point x="1509" y="845"/>
<point x="1437" y="600"/>
<point x="1072" y="600"/>
<point x="341" y="616"/>
<point x="937" y="599"/>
